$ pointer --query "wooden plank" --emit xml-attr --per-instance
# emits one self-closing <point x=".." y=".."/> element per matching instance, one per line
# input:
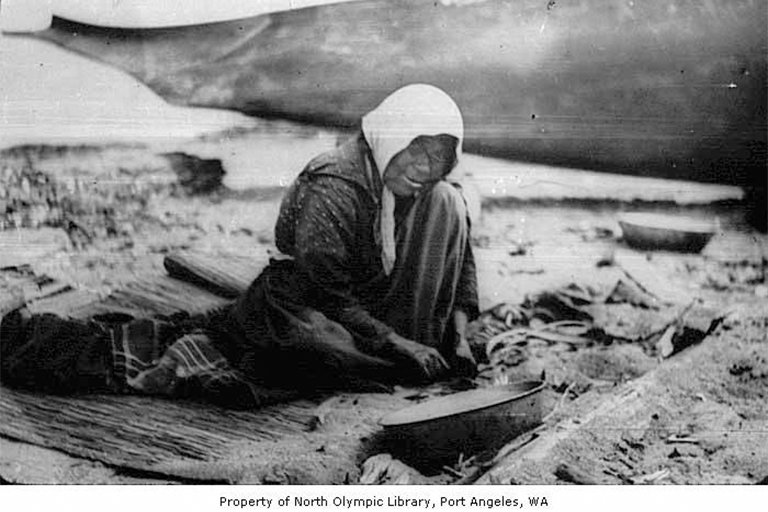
<point x="225" y="275"/>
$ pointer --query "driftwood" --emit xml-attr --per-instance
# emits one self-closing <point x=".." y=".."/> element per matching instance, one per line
<point x="382" y="469"/>
<point x="567" y="450"/>
<point x="226" y="276"/>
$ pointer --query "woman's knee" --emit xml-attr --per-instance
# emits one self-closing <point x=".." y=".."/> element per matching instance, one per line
<point x="446" y="199"/>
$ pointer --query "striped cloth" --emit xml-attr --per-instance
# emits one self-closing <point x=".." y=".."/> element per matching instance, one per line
<point x="190" y="366"/>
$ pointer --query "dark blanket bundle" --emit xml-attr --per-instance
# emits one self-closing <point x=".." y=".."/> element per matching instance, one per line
<point x="115" y="353"/>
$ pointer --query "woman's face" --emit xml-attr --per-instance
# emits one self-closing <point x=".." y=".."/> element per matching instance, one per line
<point x="423" y="163"/>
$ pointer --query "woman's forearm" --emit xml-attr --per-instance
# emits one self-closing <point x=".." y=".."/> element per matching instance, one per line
<point x="460" y="320"/>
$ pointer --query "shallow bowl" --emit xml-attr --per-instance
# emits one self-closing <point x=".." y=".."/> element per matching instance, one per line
<point x="469" y="422"/>
<point x="665" y="232"/>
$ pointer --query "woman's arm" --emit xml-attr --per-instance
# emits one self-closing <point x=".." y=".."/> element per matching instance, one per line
<point x="325" y="214"/>
<point x="324" y="246"/>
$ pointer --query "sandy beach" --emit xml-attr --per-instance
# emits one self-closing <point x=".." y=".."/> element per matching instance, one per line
<point x="110" y="179"/>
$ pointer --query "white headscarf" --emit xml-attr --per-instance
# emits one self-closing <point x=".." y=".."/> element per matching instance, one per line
<point x="409" y="112"/>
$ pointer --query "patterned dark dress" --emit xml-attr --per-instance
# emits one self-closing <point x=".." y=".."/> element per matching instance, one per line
<point x="326" y="224"/>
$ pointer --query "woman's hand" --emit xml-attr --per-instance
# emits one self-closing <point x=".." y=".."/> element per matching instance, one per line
<point x="427" y="360"/>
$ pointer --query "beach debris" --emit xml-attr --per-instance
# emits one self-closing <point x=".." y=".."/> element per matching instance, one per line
<point x="626" y="291"/>
<point x="575" y="475"/>
<point x="653" y="478"/>
<point x="606" y="259"/>
<point x="510" y="314"/>
<point x="579" y="323"/>
<point x="462" y="466"/>
<point x="682" y="440"/>
<point x="528" y="271"/>
<point x="589" y="232"/>
<point x="474" y="468"/>
<point x="21" y="286"/>
<point x="564" y="331"/>
<point x="95" y="193"/>
<point x="560" y="403"/>
<point x="519" y="248"/>
<point x="196" y="175"/>
<point x="693" y="325"/>
<point x="383" y="469"/>
<point x="564" y="303"/>
<point x="664" y="346"/>
<point x="650" y="279"/>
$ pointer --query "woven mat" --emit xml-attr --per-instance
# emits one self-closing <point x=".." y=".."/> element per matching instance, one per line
<point x="306" y="441"/>
<point x="301" y="442"/>
<point x="144" y="433"/>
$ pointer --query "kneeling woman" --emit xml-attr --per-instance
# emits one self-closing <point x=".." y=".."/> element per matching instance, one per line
<point x="379" y="246"/>
<point x="377" y="283"/>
